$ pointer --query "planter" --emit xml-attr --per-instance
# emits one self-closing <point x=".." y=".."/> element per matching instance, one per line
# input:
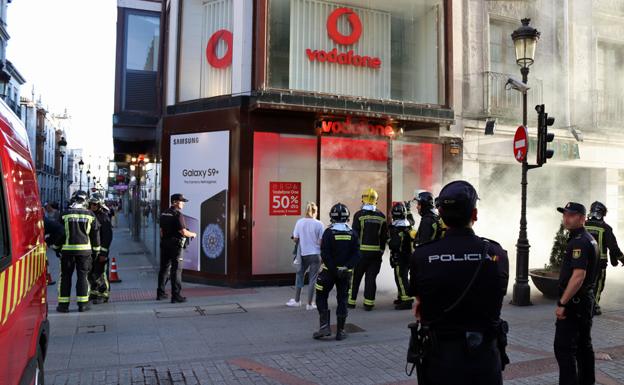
<point x="546" y="281"/>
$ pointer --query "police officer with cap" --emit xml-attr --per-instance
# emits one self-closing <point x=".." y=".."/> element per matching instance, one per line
<point x="339" y="253"/>
<point x="603" y="234"/>
<point x="173" y="234"/>
<point x="573" y="345"/>
<point x="459" y="283"/>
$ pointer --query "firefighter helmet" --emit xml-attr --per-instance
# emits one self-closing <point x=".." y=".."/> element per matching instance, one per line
<point x="399" y="211"/>
<point x="79" y="197"/>
<point x="339" y="213"/>
<point x="597" y="210"/>
<point x="96" y="199"/>
<point x="370" y="196"/>
<point x="425" y="198"/>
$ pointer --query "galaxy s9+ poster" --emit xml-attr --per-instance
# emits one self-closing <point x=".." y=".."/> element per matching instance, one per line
<point x="212" y="239"/>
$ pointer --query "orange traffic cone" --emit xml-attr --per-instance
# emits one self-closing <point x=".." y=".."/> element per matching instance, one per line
<point x="114" y="277"/>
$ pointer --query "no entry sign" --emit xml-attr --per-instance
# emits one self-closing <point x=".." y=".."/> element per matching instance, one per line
<point x="521" y="144"/>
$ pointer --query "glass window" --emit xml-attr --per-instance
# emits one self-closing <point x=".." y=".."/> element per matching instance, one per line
<point x="142" y="42"/>
<point x="415" y="167"/>
<point x="502" y="54"/>
<point x="206" y="47"/>
<point x="364" y="48"/>
<point x="279" y="158"/>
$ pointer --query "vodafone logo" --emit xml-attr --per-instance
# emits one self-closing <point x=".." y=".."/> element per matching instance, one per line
<point x="211" y="49"/>
<point x="349" y="57"/>
<point x="354" y="20"/>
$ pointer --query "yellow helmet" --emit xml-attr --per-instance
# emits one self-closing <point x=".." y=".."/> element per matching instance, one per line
<point x="370" y="196"/>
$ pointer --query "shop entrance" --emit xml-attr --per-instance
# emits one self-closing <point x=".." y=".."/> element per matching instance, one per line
<point x="348" y="167"/>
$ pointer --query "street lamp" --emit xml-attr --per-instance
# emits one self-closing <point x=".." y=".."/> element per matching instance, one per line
<point x="62" y="146"/>
<point x="88" y="180"/>
<point x="80" y="167"/>
<point x="525" y="41"/>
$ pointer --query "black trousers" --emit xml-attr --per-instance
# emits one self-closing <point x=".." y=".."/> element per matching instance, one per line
<point x="401" y="279"/>
<point x="368" y="268"/>
<point x="601" y="279"/>
<point x="170" y="267"/>
<point x="98" y="278"/>
<point x="82" y="265"/>
<point x="450" y="363"/>
<point x="324" y="284"/>
<point x="573" y="345"/>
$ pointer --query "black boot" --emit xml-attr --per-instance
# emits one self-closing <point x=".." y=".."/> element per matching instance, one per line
<point x="403" y="305"/>
<point x="84" y="306"/>
<point x="597" y="310"/>
<point x="340" y="333"/>
<point x="62" y="308"/>
<point x="178" y="299"/>
<point x="325" y="329"/>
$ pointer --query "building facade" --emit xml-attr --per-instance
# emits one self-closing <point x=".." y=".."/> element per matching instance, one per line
<point x="578" y="76"/>
<point x="274" y="103"/>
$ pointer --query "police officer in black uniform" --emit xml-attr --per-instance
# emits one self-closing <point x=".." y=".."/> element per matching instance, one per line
<point x="173" y="234"/>
<point x="339" y="253"/>
<point x="400" y="240"/>
<point x="429" y="228"/>
<point x="603" y="234"/>
<point x="459" y="283"/>
<point x="573" y="345"/>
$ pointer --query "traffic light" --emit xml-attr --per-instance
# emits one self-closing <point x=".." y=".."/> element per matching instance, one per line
<point x="543" y="136"/>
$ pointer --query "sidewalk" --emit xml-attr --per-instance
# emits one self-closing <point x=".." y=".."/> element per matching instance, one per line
<point x="247" y="336"/>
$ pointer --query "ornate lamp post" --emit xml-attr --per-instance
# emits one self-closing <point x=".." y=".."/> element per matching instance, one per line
<point x="62" y="148"/>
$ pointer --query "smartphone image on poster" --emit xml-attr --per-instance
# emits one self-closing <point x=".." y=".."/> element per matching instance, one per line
<point x="191" y="252"/>
<point x="212" y="239"/>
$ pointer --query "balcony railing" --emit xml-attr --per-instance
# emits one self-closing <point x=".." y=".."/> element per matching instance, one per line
<point x="507" y="104"/>
<point x="609" y="109"/>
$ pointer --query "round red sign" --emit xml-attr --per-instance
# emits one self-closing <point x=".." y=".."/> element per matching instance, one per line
<point x="521" y="144"/>
<point x="211" y="49"/>
<point x="354" y="20"/>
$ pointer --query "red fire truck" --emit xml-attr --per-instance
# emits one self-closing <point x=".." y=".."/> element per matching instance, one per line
<point x="24" y="328"/>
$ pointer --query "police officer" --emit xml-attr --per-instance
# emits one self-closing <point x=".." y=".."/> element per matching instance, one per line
<point x="98" y="277"/>
<point x="339" y="253"/>
<point x="459" y="283"/>
<point x="603" y="234"/>
<point x="81" y="240"/>
<point x="573" y="346"/>
<point x="372" y="229"/>
<point x="400" y="239"/>
<point x="173" y="234"/>
<point x="429" y="228"/>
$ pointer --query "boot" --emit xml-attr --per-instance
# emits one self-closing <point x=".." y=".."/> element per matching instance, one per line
<point x="97" y="300"/>
<point x="161" y="296"/>
<point x="397" y="301"/>
<point x="325" y="329"/>
<point x="340" y="333"/>
<point x="404" y="305"/>
<point x="62" y="308"/>
<point x="597" y="310"/>
<point x="178" y="299"/>
<point x="84" y="306"/>
<point x="368" y="307"/>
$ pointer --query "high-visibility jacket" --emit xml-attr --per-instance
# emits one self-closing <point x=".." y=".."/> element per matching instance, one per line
<point x="106" y="232"/>
<point x="82" y="233"/>
<point x="372" y="230"/>
<point x="603" y="234"/>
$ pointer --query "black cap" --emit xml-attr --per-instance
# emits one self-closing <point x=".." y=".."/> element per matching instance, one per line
<point x="573" y="207"/>
<point x="178" y="197"/>
<point x="458" y="195"/>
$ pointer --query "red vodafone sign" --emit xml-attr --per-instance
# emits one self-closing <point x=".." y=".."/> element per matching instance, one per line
<point x="211" y="49"/>
<point x="336" y="55"/>
<point x="521" y="144"/>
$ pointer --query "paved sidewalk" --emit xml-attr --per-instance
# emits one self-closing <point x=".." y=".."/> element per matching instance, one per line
<point x="247" y="336"/>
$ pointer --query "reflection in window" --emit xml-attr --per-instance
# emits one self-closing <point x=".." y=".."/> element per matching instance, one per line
<point x="142" y="44"/>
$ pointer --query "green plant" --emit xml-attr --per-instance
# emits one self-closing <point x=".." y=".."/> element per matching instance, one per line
<point x="558" y="249"/>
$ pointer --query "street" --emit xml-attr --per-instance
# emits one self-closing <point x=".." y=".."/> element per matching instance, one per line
<point x="247" y="336"/>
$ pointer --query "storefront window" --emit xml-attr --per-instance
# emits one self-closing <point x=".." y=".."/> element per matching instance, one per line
<point x="284" y="179"/>
<point x="141" y="57"/>
<point x="415" y="167"/>
<point x="206" y="46"/>
<point x="364" y="48"/>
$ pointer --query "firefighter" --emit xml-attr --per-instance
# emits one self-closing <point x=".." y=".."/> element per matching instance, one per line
<point x="81" y="240"/>
<point x="400" y="239"/>
<point x="603" y="234"/>
<point x="339" y="253"/>
<point x="430" y="228"/>
<point x="372" y="230"/>
<point x="98" y="277"/>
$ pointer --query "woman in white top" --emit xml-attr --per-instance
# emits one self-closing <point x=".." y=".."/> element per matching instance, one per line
<point x="308" y="232"/>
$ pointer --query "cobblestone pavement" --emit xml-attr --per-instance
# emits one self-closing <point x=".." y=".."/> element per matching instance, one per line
<point x="227" y="336"/>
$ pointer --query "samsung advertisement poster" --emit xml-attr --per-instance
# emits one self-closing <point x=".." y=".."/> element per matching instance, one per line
<point x="199" y="170"/>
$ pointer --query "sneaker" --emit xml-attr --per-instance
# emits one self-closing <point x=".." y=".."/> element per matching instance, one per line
<point x="293" y="303"/>
<point x="311" y="307"/>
